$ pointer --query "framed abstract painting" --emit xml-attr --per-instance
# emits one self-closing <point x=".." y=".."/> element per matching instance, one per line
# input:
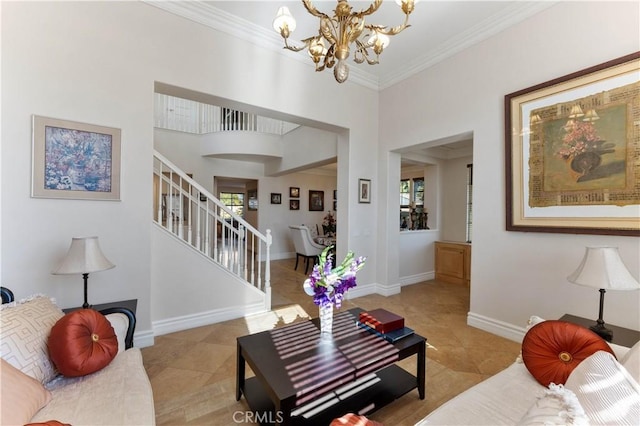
<point x="74" y="160"/>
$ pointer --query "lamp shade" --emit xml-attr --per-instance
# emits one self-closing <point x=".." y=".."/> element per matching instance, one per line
<point x="602" y="267"/>
<point x="84" y="256"/>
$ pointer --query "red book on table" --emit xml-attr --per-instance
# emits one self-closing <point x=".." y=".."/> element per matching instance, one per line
<point x="381" y="320"/>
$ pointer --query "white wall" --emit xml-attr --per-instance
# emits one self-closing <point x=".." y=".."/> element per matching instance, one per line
<point x="97" y="62"/>
<point x="416" y="260"/>
<point x="302" y="147"/>
<point x="454" y="199"/>
<point x="278" y="217"/>
<point x="69" y="61"/>
<point x="516" y="274"/>
<point x="180" y="275"/>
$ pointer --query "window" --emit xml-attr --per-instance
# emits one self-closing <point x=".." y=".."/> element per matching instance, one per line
<point x="405" y="193"/>
<point x="469" y="200"/>
<point x="412" y="212"/>
<point x="418" y="191"/>
<point x="233" y="200"/>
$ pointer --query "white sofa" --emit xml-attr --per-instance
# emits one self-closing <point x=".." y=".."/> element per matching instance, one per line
<point x="118" y="394"/>
<point x="600" y="390"/>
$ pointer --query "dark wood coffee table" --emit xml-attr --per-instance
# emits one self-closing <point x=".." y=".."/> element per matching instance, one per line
<point x="301" y="379"/>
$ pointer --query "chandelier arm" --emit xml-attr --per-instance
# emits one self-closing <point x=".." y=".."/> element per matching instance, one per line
<point x="364" y="54"/>
<point x="328" y="29"/>
<point x="329" y="58"/>
<point x="392" y="31"/>
<point x="312" y="9"/>
<point x="357" y="31"/>
<point x="296" y="48"/>
<point x="371" y="9"/>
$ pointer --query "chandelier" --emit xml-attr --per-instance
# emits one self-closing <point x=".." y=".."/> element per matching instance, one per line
<point x="340" y="31"/>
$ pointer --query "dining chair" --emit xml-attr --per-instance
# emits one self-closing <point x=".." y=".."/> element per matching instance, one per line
<point x="304" y="245"/>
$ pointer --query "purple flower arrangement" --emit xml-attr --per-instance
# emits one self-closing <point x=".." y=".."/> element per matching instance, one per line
<point x="327" y="284"/>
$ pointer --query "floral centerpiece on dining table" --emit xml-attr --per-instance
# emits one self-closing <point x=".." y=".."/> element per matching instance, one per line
<point x="328" y="284"/>
<point x="329" y="224"/>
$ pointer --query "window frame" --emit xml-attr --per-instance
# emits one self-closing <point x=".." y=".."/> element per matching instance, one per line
<point x="234" y="207"/>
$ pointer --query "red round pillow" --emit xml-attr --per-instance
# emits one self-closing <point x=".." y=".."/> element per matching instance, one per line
<point x="552" y="349"/>
<point x="82" y="342"/>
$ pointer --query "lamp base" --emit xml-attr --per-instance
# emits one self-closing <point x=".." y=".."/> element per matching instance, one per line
<point x="602" y="331"/>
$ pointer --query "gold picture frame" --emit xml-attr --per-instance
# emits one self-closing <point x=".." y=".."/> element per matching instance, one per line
<point x="571" y="147"/>
<point x="72" y="160"/>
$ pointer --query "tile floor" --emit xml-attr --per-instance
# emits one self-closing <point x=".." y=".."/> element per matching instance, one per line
<point x="192" y="372"/>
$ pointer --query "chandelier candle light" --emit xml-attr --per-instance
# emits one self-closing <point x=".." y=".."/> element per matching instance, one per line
<point x="328" y="285"/>
<point x="340" y="31"/>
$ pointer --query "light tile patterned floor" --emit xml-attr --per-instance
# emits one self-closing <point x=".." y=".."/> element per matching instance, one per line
<point x="192" y="372"/>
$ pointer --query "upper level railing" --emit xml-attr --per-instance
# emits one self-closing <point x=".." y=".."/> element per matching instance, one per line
<point x="189" y="211"/>
<point x="189" y="116"/>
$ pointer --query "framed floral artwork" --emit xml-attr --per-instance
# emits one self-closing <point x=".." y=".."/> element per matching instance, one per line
<point x="276" y="198"/>
<point x="294" y="204"/>
<point x="294" y="192"/>
<point x="74" y="160"/>
<point x="571" y="148"/>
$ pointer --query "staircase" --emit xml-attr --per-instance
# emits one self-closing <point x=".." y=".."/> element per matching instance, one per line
<point x="184" y="208"/>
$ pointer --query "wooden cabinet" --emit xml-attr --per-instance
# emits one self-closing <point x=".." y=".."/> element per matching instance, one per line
<point x="453" y="262"/>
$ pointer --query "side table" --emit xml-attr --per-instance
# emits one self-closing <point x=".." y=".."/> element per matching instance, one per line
<point x="621" y="336"/>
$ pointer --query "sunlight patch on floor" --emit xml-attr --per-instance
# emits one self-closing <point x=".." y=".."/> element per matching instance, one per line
<point x="276" y="317"/>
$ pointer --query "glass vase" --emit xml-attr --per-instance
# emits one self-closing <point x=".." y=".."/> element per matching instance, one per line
<point x="326" y="320"/>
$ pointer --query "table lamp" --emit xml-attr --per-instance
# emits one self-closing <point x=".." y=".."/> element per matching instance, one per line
<point x="602" y="268"/>
<point x="84" y="256"/>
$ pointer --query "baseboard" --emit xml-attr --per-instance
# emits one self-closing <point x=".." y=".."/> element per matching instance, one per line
<point x="417" y="278"/>
<point x="361" y="290"/>
<point x="388" y="289"/>
<point x="494" y="326"/>
<point x="186" y="322"/>
<point x="281" y="256"/>
<point x="142" y="339"/>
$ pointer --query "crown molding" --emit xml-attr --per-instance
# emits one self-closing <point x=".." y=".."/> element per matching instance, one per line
<point x="212" y="17"/>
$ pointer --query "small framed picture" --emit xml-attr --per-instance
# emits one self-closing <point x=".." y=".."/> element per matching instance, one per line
<point x="294" y="192"/>
<point x="316" y="201"/>
<point x="276" y="198"/>
<point x="364" y="190"/>
<point x="294" y="204"/>
<point x="335" y="205"/>
<point x="335" y="194"/>
<point x="253" y="199"/>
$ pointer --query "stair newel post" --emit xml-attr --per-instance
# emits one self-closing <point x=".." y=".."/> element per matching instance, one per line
<point x="267" y="271"/>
